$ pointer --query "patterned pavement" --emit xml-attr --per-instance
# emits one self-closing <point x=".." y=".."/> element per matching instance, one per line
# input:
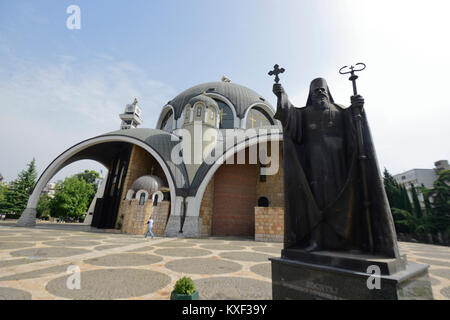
<point x="34" y="265"/>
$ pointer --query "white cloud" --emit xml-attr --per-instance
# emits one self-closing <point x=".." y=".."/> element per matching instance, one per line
<point x="45" y="109"/>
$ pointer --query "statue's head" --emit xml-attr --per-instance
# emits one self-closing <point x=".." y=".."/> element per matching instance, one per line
<point x="319" y="94"/>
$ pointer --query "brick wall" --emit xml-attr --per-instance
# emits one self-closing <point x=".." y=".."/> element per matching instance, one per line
<point x="234" y="200"/>
<point x="269" y="224"/>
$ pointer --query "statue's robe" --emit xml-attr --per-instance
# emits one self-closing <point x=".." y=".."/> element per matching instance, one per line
<point x="322" y="181"/>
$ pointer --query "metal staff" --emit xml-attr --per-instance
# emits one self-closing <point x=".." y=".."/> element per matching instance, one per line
<point x="362" y="153"/>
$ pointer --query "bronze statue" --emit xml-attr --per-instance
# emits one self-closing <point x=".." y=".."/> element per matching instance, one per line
<point x="334" y="194"/>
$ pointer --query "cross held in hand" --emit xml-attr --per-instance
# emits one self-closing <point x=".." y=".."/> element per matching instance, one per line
<point x="276" y="71"/>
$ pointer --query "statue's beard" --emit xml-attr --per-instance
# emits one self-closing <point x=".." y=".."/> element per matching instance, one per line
<point x="321" y="102"/>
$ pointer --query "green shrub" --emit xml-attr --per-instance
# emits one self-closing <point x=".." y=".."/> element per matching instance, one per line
<point x="185" y="285"/>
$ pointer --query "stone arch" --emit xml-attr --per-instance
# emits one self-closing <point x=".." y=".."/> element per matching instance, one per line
<point x="28" y="217"/>
<point x="195" y="208"/>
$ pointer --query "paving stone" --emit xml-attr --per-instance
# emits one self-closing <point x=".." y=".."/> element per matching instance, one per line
<point x="107" y="247"/>
<point x="434" y="281"/>
<point x="444" y="273"/>
<point x="37" y="273"/>
<point x="124" y="240"/>
<point x="446" y="292"/>
<point x="28" y="238"/>
<point x="245" y="256"/>
<point x="246" y="243"/>
<point x="14" y="294"/>
<point x="231" y="288"/>
<point x="124" y="260"/>
<point x="141" y="249"/>
<point x="174" y="244"/>
<point x="274" y="251"/>
<point x="110" y="284"/>
<point x="205" y="241"/>
<point x="203" y="266"/>
<point x="71" y="243"/>
<point x="43" y="253"/>
<point x="14" y="245"/>
<point x="89" y="238"/>
<point x="435" y="262"/>
<point x="182" y="252"/>
<point x="263" y="269"/>
<point x="435" y="255"/>
<point x="16" y="262"/>
<point x="221" y="247"/>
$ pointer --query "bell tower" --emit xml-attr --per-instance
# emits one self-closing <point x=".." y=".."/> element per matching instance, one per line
<point x="131" y="118"/>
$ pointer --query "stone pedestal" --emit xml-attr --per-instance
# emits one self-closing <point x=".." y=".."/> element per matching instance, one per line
<point x="301" y="275"/>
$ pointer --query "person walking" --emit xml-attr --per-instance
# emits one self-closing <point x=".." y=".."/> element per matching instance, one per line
<point x="150" y="226"/>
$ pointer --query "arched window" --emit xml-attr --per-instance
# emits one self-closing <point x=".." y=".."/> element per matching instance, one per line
<point x="142" y="199"/>
<point x="257" y="118"/>
<point x="187" y="115"/>
<point x="226" y="119"/>
<point x="167" y="122"/>
<point x="199" y="111"/>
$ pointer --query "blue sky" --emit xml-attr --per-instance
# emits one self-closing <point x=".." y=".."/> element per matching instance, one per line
<point x="61" y="86"/>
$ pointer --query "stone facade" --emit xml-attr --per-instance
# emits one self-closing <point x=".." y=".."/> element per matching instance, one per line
<point x="269" y="224"/>
<point x="135" y="216"/>
<point x="206" y="210"/>
<point x="273" y="187"/>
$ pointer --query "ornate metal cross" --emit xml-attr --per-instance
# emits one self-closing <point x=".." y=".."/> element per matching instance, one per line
<point x="276" y="71"/>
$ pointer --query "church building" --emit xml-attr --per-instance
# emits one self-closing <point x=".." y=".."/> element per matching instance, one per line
<point x="211" y="167"/>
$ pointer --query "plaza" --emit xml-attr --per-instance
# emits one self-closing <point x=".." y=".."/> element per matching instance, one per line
<point x="34" y="264"/>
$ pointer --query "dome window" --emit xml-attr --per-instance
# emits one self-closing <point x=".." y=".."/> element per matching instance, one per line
<point x="199" y="111"/>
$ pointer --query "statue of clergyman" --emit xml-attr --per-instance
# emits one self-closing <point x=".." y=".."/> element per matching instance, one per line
<point x="324" y="200"/>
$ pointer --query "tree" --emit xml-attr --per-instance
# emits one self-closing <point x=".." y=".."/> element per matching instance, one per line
<point x="393" y="190"/>
<point x="417" y="210"/>
<point x="43" y="206"/>
<point x="72" y="198"/>
<point x="17" y="194"/>
<point x="440" y="206"/>
<point x="90" y="176"/>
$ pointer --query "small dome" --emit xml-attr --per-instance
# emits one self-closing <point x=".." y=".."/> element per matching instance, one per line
<point x="148" y="183"/>
<point x="209" y="102"/>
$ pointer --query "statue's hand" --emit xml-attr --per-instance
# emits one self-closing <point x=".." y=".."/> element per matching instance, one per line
<point x="357" y="101"/>
<point x="277" y="89"/>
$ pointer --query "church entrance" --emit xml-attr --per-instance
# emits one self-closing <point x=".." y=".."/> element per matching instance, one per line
<point x="234" y="200"/>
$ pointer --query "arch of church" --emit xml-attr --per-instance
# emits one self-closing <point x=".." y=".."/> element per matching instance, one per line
<point x="228" y="193"/>
<point x="113" y="151"/>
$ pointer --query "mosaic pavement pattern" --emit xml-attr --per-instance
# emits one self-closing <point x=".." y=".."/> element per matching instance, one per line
<point x="34" y="264"/>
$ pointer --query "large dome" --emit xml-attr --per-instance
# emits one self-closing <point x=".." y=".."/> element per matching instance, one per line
<point x="241" y="97"/>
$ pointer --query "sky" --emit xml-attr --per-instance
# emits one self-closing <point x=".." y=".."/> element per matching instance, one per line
<point x="59" y="86"/>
